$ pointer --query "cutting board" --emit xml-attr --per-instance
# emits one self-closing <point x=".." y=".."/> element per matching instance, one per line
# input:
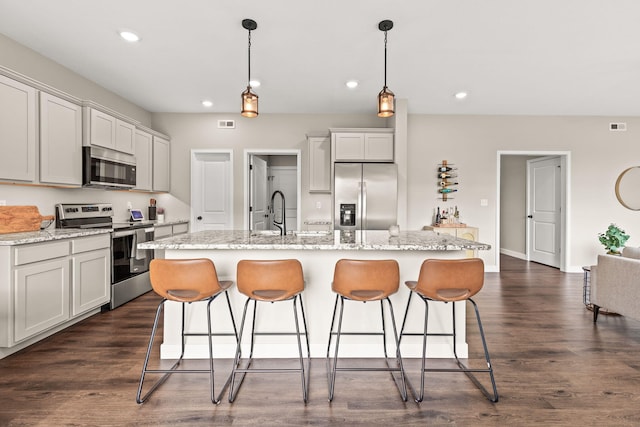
<point x="16" y="219"/>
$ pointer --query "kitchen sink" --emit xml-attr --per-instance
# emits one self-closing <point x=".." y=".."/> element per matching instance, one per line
<point x="307" y="233"/>
<point x="265" y="233"/>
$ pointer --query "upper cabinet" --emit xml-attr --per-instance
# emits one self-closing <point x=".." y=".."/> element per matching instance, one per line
<point x="60" y="141"/>
<point x="319" y="164"/>
<point x="161" y="164"/>
<point x="362" y="145"/>
<point x="17" y="131"/>
<point x="107" y="131"/>
<point x="144" y="151"/>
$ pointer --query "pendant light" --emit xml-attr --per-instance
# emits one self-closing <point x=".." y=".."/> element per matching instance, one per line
<point x="385" y="97"/>
<point x="249" y="99"/>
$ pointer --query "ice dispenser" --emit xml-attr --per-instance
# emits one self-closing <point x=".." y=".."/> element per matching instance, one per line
<point x="347" y="214"/>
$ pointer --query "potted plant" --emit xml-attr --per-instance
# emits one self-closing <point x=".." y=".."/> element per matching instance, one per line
<point x="613" y="239"/>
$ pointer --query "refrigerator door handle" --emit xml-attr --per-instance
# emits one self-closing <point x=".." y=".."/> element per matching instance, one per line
<point x="364" y="205"/>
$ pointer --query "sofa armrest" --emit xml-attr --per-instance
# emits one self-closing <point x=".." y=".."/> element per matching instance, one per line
<point x="617" y="285"/>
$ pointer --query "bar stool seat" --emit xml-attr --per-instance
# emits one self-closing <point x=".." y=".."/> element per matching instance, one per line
<point x="365" y="281"/>
<point x="270" y="281"/>
<point x="449" y="281"/>
<point x="185" y="281"/>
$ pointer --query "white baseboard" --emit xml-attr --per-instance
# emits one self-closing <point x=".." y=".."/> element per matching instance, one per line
<point x="514" y="254"/>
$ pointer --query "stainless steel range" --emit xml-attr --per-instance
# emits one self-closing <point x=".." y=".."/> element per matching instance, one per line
<point x="129" y="265"/>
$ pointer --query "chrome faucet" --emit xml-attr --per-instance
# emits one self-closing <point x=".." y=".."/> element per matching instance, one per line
<point x="282" y="226"/>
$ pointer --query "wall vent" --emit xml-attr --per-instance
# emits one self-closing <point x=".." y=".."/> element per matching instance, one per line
<point x="226" y="124"/>
<point x="617" y="127"/>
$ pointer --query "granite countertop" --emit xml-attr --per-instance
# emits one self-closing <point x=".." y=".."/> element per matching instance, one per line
<point x="365" y="240"/>
<point x="48" y="235"/>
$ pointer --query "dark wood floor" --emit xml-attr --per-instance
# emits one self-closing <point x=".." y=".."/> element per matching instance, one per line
<point x="553" y="367"/>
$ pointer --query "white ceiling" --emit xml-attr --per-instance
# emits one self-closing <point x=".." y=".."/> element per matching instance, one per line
<point x="541" y="57"/>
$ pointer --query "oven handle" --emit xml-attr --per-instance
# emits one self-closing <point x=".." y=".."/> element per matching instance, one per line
<point x="124" y="233"/>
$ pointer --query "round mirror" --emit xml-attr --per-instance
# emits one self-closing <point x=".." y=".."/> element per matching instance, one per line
<point x="628" y="188"/>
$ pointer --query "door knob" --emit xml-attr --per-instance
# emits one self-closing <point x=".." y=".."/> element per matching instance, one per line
<point x="199" y="218"/>
<point x="529" y="216"/>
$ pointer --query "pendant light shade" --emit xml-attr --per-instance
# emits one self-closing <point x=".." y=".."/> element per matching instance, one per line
<point x="249" y="98"/>
<point x="386" y="98"/>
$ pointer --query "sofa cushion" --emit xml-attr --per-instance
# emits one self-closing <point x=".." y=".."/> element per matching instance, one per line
<point x="631" y="252"/>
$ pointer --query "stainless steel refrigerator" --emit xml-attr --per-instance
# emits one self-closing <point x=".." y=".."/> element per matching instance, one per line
<point x="365" y="196"/>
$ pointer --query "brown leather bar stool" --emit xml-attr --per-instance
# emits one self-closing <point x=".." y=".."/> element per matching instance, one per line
<point x="185" y="281"/>
<point x="449" y="281"/>
<point x="364" y="281"/>
<point x="270" y="281"/>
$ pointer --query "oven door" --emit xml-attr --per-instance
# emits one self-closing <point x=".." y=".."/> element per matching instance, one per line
<point x="127" y="259"/>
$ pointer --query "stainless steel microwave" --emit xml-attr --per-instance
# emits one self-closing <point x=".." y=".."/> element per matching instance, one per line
<point x="106" y="168"/>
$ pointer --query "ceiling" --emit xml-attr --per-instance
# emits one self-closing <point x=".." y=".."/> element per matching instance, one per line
<point x="540" y="57"/>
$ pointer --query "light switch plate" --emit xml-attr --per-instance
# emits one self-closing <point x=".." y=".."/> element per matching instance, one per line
<point x="484" y="202"/>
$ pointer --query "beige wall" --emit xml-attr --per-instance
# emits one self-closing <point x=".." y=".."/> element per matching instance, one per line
<point x="268" y="131"/>
<point x="25" y="61"/>
<point x="597" y="156"/>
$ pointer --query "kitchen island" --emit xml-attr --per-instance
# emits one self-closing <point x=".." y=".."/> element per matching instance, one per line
<point x="318" y="252"/>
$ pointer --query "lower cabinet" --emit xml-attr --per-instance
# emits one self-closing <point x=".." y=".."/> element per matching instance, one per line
<point x="41" y="297"/>
<point x="469" y="233"/>
<point x="45" y="285"/>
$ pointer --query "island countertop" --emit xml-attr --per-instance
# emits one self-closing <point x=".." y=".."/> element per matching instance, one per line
<point x="338" y="240"/>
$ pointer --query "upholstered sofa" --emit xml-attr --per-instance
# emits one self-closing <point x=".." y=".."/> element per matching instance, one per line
<point x="615" y="283"/>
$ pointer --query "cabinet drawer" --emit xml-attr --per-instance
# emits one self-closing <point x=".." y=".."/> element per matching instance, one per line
<point x="40" y="252"/>
<point x="85" y="244"/>
<point x="180" y="228"/>
<point x="160" y="232"/>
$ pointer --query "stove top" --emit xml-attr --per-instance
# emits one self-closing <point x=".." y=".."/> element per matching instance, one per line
<point x="131" y="224"/>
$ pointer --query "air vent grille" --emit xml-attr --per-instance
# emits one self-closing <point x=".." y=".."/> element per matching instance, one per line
<point x="617" y="127"/>
<point x="226" y="124"/>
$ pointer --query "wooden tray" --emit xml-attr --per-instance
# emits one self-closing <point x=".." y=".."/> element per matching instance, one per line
<point x="458" y="225"/>
<point x="17" y="219"/>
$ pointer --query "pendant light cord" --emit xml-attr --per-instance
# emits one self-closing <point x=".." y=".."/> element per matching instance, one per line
<point x="249" y="61"/>
<point x="385" y="59"/>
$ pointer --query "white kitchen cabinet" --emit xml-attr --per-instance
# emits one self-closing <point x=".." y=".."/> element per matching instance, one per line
<point x="168" y="230"/>
<point x="363" y="146"/>
<point x="60" y="141"/>
<point x="45" y="287"/>
<point x="91" y="273"/>
<point x="41" y="297"/>
<point x="161" y="164"/>
<point x="18" y="126"/>
<point x="319" y="164"/>
<point x="107" y="131"/>
<point x="144" y="159"/>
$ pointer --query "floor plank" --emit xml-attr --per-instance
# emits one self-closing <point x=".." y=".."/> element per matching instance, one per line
<point x="553" y="367"/>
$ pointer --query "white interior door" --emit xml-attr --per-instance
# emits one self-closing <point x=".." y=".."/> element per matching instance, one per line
<point x="258" y="193"/>
<point x="544" y="184"/>
<point x="211" y="190"/>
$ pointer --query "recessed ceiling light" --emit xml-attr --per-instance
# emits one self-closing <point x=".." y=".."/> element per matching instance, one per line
<point x="461" y="95"/>
<point x="254" y="83"/>
<point x="352" y="84"/>
<point x="129" y="36"/>
<point x="207" y="103"/>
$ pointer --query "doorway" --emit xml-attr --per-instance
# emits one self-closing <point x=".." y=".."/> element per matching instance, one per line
<point x="513" y="231"/>
<point x="211" y="190"/>
<point x="268" y="172"/>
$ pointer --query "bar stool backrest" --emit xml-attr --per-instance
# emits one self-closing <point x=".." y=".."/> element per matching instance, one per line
<point x="270" y="280"/>
<point x="366" y="280"/>
<point x="184" y="280"/>
<point x="450" y="279"/>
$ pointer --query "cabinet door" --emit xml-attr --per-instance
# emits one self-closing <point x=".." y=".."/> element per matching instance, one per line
<point x="319" y="164"/>
<point x="161" y="164"/>
<point x="162" y="231"/>
<point x="102" y="130"/>
<point x="17" y="131"/>
<point x="125" y="137"/>
<point x="349" y="146"/>
<point x="378" y="147"/>
<point x="41" y="297"/>
<point x="144" y="150"/>
<point x="90" y="285"/>
<point x="180" y="228"/>
<point x="60" y="141"/>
